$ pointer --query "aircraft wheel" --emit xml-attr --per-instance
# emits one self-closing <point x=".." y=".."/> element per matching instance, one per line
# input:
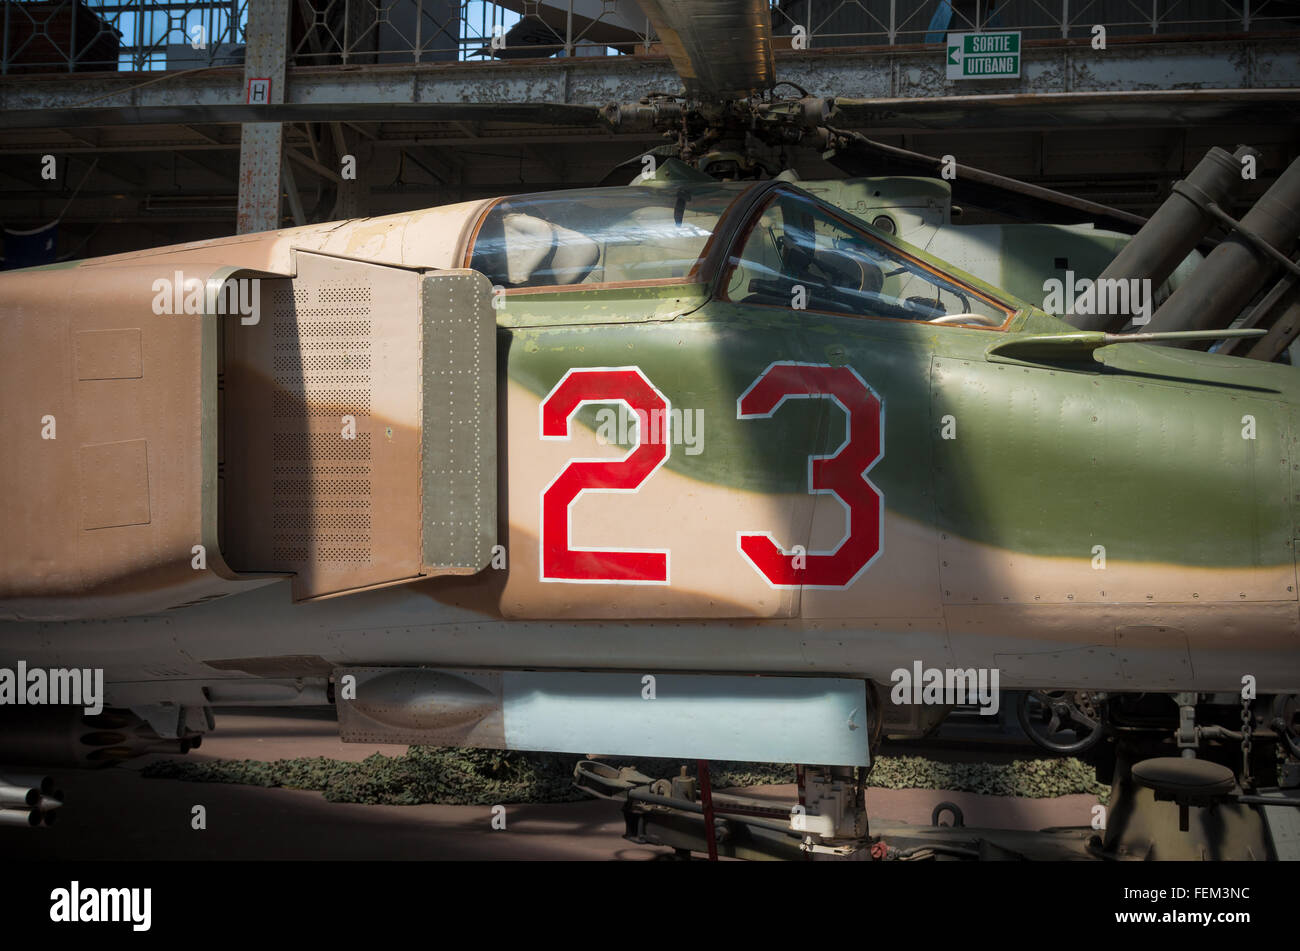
<point x="1062" y="721"/>
<point x="1286" y="721"/>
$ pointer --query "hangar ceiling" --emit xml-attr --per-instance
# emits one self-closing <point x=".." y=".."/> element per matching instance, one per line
<point x="147" y="157"/>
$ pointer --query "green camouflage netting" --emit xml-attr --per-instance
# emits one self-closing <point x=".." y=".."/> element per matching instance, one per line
<point x="487" y="777"/>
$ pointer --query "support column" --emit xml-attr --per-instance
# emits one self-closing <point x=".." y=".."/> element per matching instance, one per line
<point x="261" y="143"/>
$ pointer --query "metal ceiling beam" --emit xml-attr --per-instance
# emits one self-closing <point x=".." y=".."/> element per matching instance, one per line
<point x="125" y="171"/>
<point x="905" y="73"/>
<point x="583" y="140"/>
<point x="291" y="190"/>
<point x="547" y="114"/>
<point x="82" y="137"/>
<point x="306" y="161"/>
<point x="441" y="176"/>
<point x="447" y="165"/>
<point x="203" y="135"/>
<point x="215" y="168"/>
<point x="1140" y="108"/>
<point x="27" y="186"/>
<point x="347" y="200"/>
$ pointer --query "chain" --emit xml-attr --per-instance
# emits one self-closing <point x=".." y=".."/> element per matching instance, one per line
<point x="1247" y="726"/>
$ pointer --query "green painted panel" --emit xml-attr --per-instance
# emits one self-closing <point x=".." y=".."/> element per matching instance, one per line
<point x="1052" y="461"/>
<point x="458" y="432"/>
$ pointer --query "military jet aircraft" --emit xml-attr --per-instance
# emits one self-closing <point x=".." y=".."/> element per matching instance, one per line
<point x="477" y="472"/>
<point x="686" y="468"/>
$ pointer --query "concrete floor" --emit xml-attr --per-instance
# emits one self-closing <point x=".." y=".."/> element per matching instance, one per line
<point x="117" y="813"/>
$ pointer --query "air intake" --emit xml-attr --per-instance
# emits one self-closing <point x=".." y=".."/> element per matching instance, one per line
<point x="343" y="462"/>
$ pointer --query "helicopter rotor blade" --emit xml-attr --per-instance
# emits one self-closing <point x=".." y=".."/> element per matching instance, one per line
<point x="721" y="49"/>
<point x="1045" y="111"/>
<point x="855" y="154"/>
<point x="533" y="113"/>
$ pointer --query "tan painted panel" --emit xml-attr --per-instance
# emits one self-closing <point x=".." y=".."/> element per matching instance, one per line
<point x="429" y="238"/>
<point x="875" y="644"/>
<point x="115" y="484"/>
<point x="973" y="572"/>
<point x="1148" y="651"/>
<point x="94" y="513"/>
<point x="903" y="580"/>
<point x="1095" y="667"/>
<point x="1143" y="646"/>
<point x="109" y="355"/>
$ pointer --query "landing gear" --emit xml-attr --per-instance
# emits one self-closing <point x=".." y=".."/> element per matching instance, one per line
<point x="834" y="812"/>
<point x="829" y="821"/>
<point x="1286" y="723"/>
<point x="1193" y="776"/>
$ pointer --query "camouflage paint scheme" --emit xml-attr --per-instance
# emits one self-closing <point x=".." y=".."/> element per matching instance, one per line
<point x="988" y="540"/>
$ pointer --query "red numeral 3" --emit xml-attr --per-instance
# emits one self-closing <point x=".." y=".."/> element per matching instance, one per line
<point x="842" y="474"/>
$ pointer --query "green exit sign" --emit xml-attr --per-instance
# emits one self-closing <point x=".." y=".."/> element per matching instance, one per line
<point x="984" y="55"/>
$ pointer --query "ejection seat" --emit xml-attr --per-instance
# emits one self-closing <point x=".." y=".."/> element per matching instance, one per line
<point x="535" y="249"/>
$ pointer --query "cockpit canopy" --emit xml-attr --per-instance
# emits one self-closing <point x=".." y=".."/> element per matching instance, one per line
<point x="791" y="250"/>
<point x="651" y="233"/>
<point x="798" y="253"/>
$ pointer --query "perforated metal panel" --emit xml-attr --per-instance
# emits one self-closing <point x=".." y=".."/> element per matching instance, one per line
<point x="320" y="516"/>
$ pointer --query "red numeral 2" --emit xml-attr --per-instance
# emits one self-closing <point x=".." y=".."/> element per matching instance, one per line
<point x="559" y="560"/>
<point x="842" y="474"/>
